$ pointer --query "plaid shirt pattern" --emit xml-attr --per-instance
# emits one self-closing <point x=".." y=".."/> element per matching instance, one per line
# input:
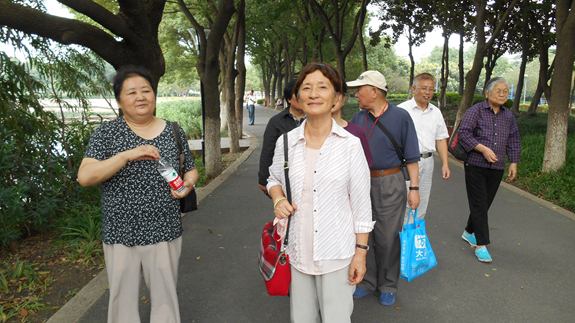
<point x="269" y="252"/>
<point x="498" y="132"/>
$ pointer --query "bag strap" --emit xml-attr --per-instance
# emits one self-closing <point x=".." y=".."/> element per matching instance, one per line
<point x="288" y="188"/>
<point x="182" y="157"/>
<point x="389" y="136"/>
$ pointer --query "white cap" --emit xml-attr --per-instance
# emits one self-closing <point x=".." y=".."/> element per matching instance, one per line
<point x="373" y="78"/>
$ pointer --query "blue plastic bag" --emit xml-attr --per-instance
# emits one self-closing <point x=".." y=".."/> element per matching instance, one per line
<point x="417" y="257"/>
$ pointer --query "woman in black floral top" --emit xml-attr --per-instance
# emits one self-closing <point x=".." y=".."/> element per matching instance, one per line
<point x="141" y="220"/>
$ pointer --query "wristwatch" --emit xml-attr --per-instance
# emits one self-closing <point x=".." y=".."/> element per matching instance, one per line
<point x="362" y="247"/>
<point x="414" y="188"/>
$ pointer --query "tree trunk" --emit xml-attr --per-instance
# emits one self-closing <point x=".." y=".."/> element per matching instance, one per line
<point x="556" y="142"/>
<point x="267" y="78"/>
<point x="473" y="75"/>
<point x="536" y="98"/>
<point x="444" y="72"/>
<point x="212" y="131"/>
<point x="134" y="31"/>
<point x="412" y="61"/>
<point x="209" y="72"/>
<point x="461" y="71"/>
<point x="524" y="54"/>
<point x="336" y="30"/>
<point x="363" y="51"/>
<point x="340" y="59"/>
<point x="224" y="107"/>
<point x="230" y="45"/>
<point x="241" y="65"/>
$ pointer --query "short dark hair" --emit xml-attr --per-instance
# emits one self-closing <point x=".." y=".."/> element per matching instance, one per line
<point x="288" y="92"/>
<point x="326" y="69"/>
<point x="126" y="72"/>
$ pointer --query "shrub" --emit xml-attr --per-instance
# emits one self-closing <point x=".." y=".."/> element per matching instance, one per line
<point x="188" y="114"/>
<point x="260" y="101"/>
<point x="397" y="96"/>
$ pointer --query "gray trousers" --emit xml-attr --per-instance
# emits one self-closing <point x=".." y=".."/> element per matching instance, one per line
<point x="326" y="298"/>
<point x="388" y="199"/>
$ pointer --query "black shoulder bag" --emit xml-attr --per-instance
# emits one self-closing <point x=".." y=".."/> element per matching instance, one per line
<point x="188" y="203"/>
<point x="394" y="143"/>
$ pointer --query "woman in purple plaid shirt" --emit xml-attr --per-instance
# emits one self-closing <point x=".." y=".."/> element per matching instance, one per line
<point x="496" y="136"/>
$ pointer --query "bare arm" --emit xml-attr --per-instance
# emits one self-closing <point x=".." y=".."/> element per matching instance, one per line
<point x="283" y="208"/>
<point x="357" y="267"/>
<point x="442" y="150"/>
<point x="512" y="171"/>
<point x="413" y="195"/>
<point x="93" y="171"/>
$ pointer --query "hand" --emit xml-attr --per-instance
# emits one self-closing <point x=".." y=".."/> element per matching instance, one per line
<point x="445" y="172"/>
<point x="413" y="199"/>
<point x="512" y="171"/>
<point x="284" y="209"/>
<point x="357" y="267"/>
<point x="187" y="183"/>
<point x="148" y="152"/>
<point x="489" y="155"/>
<point x="263" y="188"/>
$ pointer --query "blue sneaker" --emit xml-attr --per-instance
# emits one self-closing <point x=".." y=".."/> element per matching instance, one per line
<point x="387" y="299"/>
<point x="483" y="255"/>
<point x="359" y="293"/>
<point x="469" y="237"/>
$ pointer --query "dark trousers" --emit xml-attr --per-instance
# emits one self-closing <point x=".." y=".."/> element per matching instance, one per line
<point x="388" y="199"/>
<point x="482" y="184"/>
<point x="252" y="112"/>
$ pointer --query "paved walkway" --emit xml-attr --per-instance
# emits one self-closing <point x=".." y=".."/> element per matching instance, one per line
<point x="530" y="279"/>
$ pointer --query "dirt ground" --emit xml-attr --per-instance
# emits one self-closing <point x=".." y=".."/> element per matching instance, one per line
<point x="52" y="261"/>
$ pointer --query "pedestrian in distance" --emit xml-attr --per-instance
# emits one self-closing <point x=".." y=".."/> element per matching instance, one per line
<point x="251" y="100"/>
<point x="331" y="211"/>
<point x="279" y="103"/>
<point x="432" y="136"/>
<point x="141" y="219"/>
<point x="388" y="196"/>
<point x="279" y="124"/>
<point x="489" y="132"/>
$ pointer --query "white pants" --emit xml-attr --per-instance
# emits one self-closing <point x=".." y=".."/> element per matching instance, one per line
<point x="329" y="294"/>
<point x="159" y="263"/>
<point x="425" y="178"/>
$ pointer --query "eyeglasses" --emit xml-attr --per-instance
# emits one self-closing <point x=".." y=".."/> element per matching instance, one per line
<point x="500" y="92"/>
<point x="426" y="89"/>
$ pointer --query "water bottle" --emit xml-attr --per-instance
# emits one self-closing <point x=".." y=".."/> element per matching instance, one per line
<point x="171" y="176"/>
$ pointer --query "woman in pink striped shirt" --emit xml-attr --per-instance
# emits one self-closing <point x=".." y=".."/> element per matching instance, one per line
<point x="331" y="205"/>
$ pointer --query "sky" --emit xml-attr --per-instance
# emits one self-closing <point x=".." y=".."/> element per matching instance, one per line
<point x="401" y="48"/>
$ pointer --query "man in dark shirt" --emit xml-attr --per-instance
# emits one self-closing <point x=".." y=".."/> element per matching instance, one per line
<point x="388" y="195"/>
<point x="291" y="117"/>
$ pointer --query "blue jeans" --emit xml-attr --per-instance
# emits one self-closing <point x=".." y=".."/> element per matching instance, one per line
<point x="251" y="111"/>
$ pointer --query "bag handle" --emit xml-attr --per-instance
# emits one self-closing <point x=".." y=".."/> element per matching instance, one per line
<point x="288" y="188"/>
<point x="181" y="155"/>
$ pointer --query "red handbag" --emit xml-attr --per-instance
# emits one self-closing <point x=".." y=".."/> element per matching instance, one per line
<point x="273" y="259"/>
<point x="274" y="262"/>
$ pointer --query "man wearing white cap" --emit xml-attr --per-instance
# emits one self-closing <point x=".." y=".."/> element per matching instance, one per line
<point x="431" y="131"/>
<point x="388" y="195"/>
